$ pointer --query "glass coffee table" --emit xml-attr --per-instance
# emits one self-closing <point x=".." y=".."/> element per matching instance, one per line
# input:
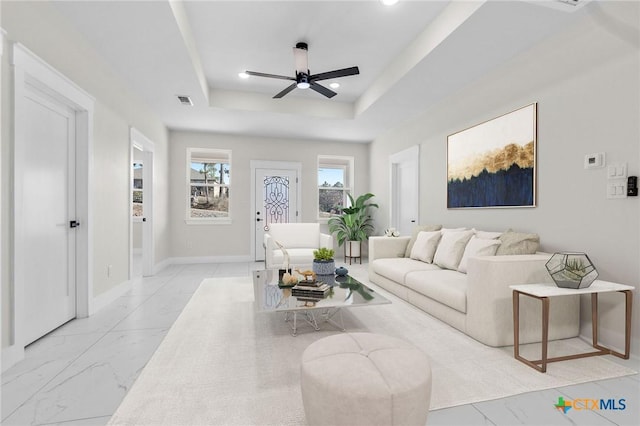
<point x="342" y="292"/>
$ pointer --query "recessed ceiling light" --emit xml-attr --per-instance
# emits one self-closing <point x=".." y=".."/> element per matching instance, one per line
<point x="334" y="85"/>
<point x="389" y="2"/>
<point x="243" y="75"/>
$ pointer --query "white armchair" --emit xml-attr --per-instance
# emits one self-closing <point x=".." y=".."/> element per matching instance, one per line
<point x="298" y="239"/>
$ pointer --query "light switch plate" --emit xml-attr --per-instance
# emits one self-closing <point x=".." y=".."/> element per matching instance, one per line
<point x="617" y="180"/>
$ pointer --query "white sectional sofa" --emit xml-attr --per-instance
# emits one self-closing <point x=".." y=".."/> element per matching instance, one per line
<point x="478" y="302"/>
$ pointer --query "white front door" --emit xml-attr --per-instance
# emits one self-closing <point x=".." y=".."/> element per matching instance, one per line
<point x="275" y="202"/>
<point x="45" y="228"/>
<point x="405" y="193"/>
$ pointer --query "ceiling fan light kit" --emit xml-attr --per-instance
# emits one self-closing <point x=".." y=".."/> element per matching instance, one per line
<point x="304" y="79"/>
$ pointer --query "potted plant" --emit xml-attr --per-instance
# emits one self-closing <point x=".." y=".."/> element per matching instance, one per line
<point x="323" y="263"/>
<point x="354" y="224"/>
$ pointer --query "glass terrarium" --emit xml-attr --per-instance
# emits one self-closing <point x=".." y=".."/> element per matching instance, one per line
<point x="571" y="270"/>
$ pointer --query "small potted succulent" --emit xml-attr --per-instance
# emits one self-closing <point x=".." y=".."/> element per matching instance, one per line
<point x="571" y="270"/>
<point x="323" y="263"/>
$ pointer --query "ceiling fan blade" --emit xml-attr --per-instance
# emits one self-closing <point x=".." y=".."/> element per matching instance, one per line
<point x="335" y="74"/>
<point x="301" y="60"/>
<point x="261" y="74"/>
<point x="285" y="91"/>
<point x="322" y="90"/>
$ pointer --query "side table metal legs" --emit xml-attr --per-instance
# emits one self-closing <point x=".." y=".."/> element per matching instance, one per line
<point x="541" y="364"/>
<point x="627" y="326"/>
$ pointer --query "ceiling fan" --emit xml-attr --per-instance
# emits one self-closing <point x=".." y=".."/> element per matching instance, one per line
<point x="304" y="79"/>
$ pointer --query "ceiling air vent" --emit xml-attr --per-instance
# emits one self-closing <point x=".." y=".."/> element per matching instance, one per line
<point x="185" y="100"/>
<point x="564" y="5"/>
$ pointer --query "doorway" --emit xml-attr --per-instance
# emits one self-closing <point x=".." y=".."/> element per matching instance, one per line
<point x="405" y="191"/>
<point x="275" y="193"/>
<point x="51" y="183"/>
<point x="141" y="248"/>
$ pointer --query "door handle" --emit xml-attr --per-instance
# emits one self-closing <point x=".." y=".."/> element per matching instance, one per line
<point x="413" y="221"/>
<point x="258" y="220"/>
<point x="144" y="219"/>
<point x="74" y="224"/>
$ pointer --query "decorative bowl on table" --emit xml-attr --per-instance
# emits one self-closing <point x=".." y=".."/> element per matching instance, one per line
<point x="341" y="271"/>
<point x="571" y="270"/>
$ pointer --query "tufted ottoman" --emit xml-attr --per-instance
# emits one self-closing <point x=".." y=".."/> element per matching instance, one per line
<point x="365" y="379"/>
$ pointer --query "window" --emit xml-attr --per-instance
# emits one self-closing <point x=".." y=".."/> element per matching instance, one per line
<point x="209" y="185"/>
<point x="136" y="190"/>
<point x="335" y="181"/>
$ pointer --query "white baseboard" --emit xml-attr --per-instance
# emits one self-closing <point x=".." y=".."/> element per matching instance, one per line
<point x="161" y="265"/>
<point x="208" y="259"/>
<point x="102" y="300"/>
<point x="11" y="355"/>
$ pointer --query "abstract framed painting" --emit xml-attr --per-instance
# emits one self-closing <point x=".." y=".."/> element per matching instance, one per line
<point x="493" y="164"/>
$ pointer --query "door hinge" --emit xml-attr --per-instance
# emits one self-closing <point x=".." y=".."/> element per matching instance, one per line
<point x="296" y="213"/>
<point x="296" y="180"/>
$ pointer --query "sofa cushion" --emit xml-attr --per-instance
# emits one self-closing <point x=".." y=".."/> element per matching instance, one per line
<point x="487" y="235"/>
<point x="518" y="243"/>
<point x="477" y="247"/>
<point x="414" y="235"/>
<point x="395" y="269"/>
<point x="296" y="235"/>
<point x="451" y="248"/>
<point x="444" y="286"/>
<point x="425" y="246"/>
<point x="297" y="257"/>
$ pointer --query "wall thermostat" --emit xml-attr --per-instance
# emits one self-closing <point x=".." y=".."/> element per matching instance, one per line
<point x="594" y="161"/>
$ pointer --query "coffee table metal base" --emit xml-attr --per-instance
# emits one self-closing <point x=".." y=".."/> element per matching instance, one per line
<point x="326" y="315"/>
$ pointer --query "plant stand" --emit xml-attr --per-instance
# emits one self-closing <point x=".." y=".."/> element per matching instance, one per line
<point x="352" y="250"/>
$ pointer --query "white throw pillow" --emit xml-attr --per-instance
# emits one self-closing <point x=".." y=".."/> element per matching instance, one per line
<point x="425" y="246"/>
<point x="443" y="230"/>
<point x="486" y="235"/>
<point x="478" y="247"/>
<point x="451" y="248"/>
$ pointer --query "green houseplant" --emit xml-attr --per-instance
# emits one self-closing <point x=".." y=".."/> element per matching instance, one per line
<point x="354" y="224"/>
<point x="323" y="263"/>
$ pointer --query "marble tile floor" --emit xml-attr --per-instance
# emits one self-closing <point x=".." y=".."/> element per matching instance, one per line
<point x="78" y="374"/>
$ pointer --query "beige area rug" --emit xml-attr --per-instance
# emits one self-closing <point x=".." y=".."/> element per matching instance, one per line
<point x="222" y="363"/>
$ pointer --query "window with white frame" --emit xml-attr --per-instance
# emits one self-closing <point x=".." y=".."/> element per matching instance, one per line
<point x="209" y="185"/>
<point x="335" y="181"/>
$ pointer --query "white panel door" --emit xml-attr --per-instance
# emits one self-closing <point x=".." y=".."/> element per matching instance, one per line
<point x="405" y="190"/>
<point x="46" y="171"/>
<point x="276" y="202"/>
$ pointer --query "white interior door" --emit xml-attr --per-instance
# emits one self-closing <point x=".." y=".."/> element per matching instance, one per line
<point x="141" y="235"/>
<point x="405" y="192"/>
<point x="45" y="196"/>
<point x="276" y="192"/>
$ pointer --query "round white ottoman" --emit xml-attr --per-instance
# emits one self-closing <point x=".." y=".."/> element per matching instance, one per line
<point x="365" y="379"/>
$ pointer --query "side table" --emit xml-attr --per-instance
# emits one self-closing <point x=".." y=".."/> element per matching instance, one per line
<point x="544" y="292"/>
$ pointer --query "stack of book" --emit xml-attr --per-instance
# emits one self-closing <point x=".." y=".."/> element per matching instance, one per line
<point x="310" y="292"/>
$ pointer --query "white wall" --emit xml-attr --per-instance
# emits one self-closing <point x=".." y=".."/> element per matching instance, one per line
<point x="234" y="240"/>
<point x="586" y="83"/>
<point x="42" y="30"/>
